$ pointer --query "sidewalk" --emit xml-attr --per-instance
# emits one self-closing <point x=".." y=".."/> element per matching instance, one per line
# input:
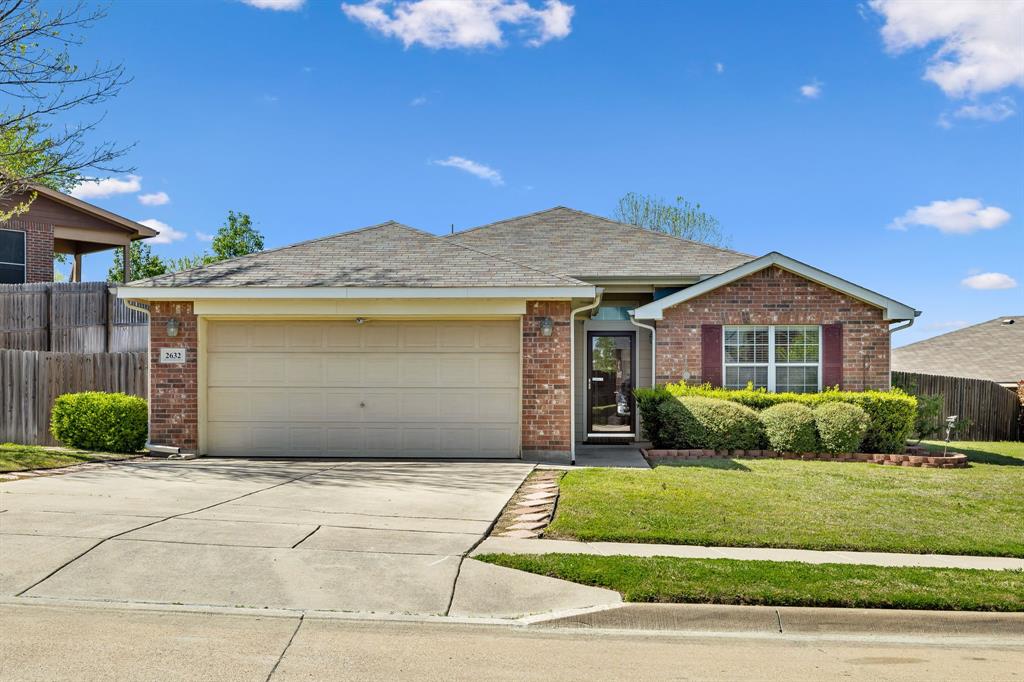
<point x="498" y="545"/>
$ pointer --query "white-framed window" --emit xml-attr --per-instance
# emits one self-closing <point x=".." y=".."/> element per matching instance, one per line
<point x="776" y="357"/>
<point x="13" y="257"/>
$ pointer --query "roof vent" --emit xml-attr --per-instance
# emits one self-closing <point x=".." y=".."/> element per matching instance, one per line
<point x="1008" y="320"/>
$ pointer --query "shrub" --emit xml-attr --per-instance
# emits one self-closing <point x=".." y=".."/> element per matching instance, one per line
<point x="790" y="428"/>
<point x="707" y="423"/>
<point x="648" y="402"/>
<point x="110" y="422"/>
<point x="892" y="413"/>
<point x="841" y="427"/>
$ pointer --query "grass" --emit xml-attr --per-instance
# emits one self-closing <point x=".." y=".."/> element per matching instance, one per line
<point x="806" y="505"/>
<point x="727" y="581"/>
<point x="14" y="457"/>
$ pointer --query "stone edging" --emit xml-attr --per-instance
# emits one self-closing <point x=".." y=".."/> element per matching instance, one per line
<point x="531" y="507"/>
<point x="914" y="457"/>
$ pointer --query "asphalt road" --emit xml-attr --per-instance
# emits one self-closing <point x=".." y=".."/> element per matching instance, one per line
<point x="104" y="643"/>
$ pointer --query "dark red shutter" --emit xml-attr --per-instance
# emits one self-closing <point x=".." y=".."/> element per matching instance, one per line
<point x="831" y="355"/>
<point x="711" y="354"/>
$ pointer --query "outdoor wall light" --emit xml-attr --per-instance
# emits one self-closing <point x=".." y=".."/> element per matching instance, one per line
<point x="547" y="325"/>
<point x="172" y="327"/>
<point x="360" y="320"/>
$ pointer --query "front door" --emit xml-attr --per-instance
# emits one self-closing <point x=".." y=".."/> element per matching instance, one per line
<point x="611" y="368"/>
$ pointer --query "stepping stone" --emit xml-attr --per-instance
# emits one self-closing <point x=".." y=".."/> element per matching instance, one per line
<point x="540" y="496"/>
<point x="532" y="516"/>
<point x="528" y="525"/>
<point x="542" y="486"/>
<point x="522" y="534"/>
<point x="536" y="503"/>
<point x="521" y="511"/>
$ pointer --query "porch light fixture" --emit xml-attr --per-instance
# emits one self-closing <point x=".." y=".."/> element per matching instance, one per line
<point x="547" y="325"/>
<point x="172" y="327"/>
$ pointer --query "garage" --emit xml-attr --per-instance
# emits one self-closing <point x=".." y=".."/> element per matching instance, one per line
<point x="362" y="388"/>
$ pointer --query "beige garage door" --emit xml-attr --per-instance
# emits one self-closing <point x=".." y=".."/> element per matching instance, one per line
<point x="379" y="389"/>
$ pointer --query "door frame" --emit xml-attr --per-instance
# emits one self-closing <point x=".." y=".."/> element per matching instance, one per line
<point x="588" y="368"/>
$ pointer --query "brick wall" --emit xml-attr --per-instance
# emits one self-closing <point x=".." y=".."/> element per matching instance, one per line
<point x="174" y="397"/>
<point x="547" y="364"/>
<point x="775" y="296"/>
<point x="38" y="247"/>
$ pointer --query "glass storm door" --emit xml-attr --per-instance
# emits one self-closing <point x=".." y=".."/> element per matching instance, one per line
<point x="611" y="364"/>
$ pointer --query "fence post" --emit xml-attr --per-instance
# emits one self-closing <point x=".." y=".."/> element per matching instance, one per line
<point x="49" y="317"/>
<point x="111" y="298"/>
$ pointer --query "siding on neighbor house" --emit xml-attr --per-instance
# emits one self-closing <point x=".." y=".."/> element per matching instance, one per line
<point x="38" y="248"/>
<point x="776" y="296"/>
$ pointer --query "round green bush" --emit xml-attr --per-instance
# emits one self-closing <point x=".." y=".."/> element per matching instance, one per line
<point x="706" y="423"/>
<point x="790" y="428"/>
<point x="108" y="422"/>
<point x="841" y="427"/>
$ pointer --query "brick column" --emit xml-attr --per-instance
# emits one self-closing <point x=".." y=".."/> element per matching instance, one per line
<point x="547" y="365"/>
<point x="174" y="388"/>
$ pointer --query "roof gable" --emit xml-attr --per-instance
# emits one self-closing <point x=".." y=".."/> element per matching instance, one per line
<point x="991" y="350"/>
<point x="589" y="247"/>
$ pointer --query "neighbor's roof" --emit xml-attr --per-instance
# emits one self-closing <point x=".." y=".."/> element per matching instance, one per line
<point x="385" y="255"/>
<point x="585" y="246"/>
<point x="139" y="230"/>
<point x="992" y="350"/>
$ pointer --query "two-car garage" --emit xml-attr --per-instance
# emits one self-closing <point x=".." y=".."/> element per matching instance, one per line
<point x="365" y="388"/>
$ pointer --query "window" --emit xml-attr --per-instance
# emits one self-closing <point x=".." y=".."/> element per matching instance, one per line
<point x="12" y="257"/>
<point x="777" y="357"/>
<point x="612" y="312"/>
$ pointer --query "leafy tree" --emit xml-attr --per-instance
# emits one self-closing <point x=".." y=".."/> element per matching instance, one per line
<point x="680" y="219"/>
<point x="189" y="262"/>
<point x="236" y="237"/>
<point x="144" y="263"/>
<point x="40" y="84"/>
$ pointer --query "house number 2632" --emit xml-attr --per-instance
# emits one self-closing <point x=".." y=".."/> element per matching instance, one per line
<point x="172" y="355"/>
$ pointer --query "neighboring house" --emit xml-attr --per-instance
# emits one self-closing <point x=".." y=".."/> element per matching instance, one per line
<point x="389" y="341"/>
<point x="58" y="223"/>
<point x="992" y="350"/>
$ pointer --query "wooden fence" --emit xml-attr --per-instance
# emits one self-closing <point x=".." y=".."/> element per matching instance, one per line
<point x="70" y="317"/>
<point x="31" y="380"/>
<point x="986" y="410"/>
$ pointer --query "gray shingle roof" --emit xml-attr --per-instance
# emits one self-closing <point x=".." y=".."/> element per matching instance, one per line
<point x="385" y="255"/>
<point x="582" y="245"/>
<point x="990" y="350"/>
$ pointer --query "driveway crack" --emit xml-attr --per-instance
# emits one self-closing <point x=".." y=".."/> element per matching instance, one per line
<point x="308" y="535"/>
<point x="291" y="639"/>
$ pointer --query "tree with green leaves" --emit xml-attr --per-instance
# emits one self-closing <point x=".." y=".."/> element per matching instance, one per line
<point x="680" y="219"/>
<point x="143" y="261"/>
<point x="236" y="237"/>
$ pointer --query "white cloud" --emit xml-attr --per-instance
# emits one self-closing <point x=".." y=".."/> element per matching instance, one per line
<point x="167" y="234"/>
<point x="463" y="24"/>
<point x="989" y="280"/>
<point x="719" y="67"/>
<point x="473" y="168"/>
<point x="959" y="216"/>
<point x="811" y="90"/>
<point x="204" y="236"/>
<point x="101" y="188"/>
<point x="1000" y="110"/>
<point x="418" y="101"/>
<point x="276" y="5"/>
<point x="978" y="42"/>
<point x="154" y="199"/>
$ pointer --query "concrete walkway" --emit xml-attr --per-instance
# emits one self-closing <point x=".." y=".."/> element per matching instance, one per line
<point x="495" y="545"/>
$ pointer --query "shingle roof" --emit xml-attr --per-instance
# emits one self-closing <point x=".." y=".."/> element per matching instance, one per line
<point x="991" y="350"/>
<point x="385" y="255"/>
<point x="586" y="246"/>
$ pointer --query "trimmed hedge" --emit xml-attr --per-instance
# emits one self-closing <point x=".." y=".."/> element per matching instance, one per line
<point x="706" y="423"/>
<point x="892" y="413"/>
<point x="648" y="402"/>
<point x="108" y="422"/>
<point x="789" y="427"/>
<point x="841" y="427"/>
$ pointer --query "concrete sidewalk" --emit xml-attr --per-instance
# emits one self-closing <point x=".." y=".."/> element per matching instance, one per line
<point x="497" y="545"/>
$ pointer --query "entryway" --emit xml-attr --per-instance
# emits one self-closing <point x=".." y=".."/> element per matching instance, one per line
<point x="611" y="378"/>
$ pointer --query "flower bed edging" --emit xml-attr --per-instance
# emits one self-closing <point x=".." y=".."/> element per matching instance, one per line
<point x="915" y="457"/>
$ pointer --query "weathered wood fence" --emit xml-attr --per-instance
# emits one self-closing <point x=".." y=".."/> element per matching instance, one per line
<point x="987" y="410"/>
<point x="70" y="317"/>
<point x="31" y="380"/>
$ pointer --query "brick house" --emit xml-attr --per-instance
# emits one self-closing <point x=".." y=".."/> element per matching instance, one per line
<point x="57" y="223"/>
<point x="523" y="336"/>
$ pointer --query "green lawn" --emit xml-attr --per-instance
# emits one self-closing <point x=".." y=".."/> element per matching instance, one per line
<point x="14" y="457"/>
<point x="726" y="581"/>
<point x="808" y="505"/>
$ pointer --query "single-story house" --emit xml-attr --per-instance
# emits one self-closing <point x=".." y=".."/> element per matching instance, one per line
<point x="524" y="336"/>
<point x="992" y="350"/>
<point x="59" y="223"/>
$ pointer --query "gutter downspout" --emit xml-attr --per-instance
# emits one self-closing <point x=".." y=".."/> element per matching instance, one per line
<point x="572" y="372"/>
<point x="654" y="346"/>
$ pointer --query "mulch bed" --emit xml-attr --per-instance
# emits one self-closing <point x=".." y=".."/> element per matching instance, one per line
<point x="915" y="456"/>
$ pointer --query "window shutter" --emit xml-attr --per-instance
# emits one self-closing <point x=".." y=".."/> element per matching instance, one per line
<point x="831" y="355"/>
<point x="711" y="354"/>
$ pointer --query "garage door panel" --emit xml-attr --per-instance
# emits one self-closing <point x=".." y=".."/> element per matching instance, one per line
<point x="500" y="338"/>
<point x="342" y="369"/>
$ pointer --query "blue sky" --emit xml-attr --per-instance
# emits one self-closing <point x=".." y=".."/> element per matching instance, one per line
<point x="812" y="128"/>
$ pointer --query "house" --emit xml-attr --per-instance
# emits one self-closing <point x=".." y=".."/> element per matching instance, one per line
<point x="522" y="337"/>
<point x="59" y="223"/>
<point x="992" y="350"/>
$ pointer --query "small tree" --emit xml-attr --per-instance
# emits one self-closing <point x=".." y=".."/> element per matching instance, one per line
<point x="144" y="263"/>
<point x="681" y="219"/>
<point x="236" y="237"/>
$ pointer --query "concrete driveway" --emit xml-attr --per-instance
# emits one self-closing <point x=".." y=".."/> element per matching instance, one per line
<point x="366" y="536"/>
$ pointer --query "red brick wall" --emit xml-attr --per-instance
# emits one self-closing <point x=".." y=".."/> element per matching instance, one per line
<point x="547" y="365"/>
<point x="174" y="396"/>
<point x="775" y="296"/>
<point x="38" y="247"/>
